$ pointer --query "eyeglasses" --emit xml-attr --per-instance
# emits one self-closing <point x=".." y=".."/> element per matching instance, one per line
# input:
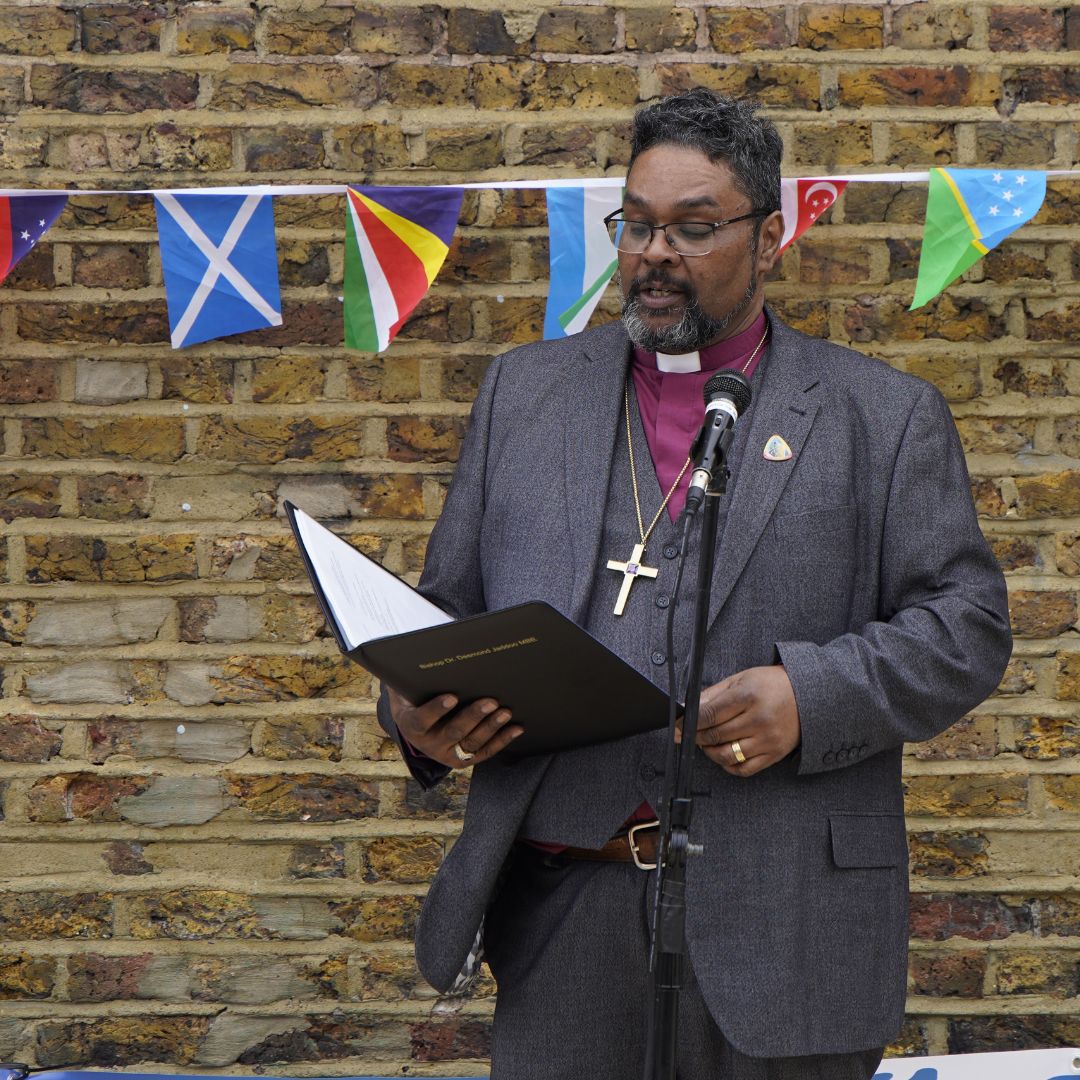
<point x="684" y="237"/>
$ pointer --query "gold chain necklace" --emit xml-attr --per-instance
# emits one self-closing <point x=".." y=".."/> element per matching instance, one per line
<point x="634" y="568"/>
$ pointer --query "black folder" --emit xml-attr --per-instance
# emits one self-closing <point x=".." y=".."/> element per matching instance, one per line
<point x="562" y="686"/>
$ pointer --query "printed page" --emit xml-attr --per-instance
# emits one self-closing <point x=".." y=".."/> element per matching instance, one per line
<point x="367" y="601"/>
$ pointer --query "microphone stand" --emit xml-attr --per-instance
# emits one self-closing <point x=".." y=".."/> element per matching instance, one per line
<point x="669" y="916"/>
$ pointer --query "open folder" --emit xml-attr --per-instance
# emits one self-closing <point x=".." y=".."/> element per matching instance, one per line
<point x="563" y="687"/>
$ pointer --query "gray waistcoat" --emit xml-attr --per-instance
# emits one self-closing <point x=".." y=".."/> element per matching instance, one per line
<point x="587" y="794"/>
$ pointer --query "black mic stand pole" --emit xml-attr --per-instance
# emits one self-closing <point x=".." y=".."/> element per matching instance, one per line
<point x="669" y="917"/>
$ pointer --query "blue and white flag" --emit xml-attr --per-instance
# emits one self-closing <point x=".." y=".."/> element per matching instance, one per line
<point x="582" y="256"/>
<point x="219" y="260"/>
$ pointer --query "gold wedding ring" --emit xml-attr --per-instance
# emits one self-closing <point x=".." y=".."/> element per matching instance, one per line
<point x="462" y="755"/>
<point x="736" y="749"/>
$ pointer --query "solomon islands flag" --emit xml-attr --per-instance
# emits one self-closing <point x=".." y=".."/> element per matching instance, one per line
<point x="969" y="212"/>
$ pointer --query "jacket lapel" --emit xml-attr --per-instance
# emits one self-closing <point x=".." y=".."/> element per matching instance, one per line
<point x="785" y="404"/>
<point x="593" y="421"/>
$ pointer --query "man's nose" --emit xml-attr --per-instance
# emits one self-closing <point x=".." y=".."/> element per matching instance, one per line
<point x="658" y="250"/>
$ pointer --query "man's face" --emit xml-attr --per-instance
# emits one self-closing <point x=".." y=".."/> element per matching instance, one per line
<point x="674" y="303"/>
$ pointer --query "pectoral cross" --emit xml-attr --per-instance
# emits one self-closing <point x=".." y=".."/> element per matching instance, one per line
<point x="631" y="570"/>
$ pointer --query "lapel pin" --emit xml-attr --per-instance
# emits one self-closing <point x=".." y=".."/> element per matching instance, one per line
<point x="776" y="449"/>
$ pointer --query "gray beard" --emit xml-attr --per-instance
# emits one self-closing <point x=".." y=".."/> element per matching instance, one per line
<point x="693" y="331"/>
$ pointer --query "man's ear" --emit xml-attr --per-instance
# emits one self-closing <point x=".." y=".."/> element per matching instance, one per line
<point x="771" y="232"/>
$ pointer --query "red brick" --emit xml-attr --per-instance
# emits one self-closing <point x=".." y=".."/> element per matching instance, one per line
<point x="450" y="1040"/>
<point x="34" y="271"/>
<point x="967" y="915"/>
<point x="1020" y="29"/>
<point x="948" y="975"/>
<point x="117" y="266"/>
<point x="26" y="381"/>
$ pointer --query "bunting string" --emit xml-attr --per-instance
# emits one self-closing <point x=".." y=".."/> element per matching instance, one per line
<point x="219" y="249"/>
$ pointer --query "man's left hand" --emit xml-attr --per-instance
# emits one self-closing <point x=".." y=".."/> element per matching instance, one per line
<point x="754" y="712"/>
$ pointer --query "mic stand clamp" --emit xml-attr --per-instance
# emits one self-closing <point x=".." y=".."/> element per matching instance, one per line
<point x="669" y="917"/>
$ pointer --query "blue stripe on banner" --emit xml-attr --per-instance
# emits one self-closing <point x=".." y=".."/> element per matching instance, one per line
<point x="566" y="246"/>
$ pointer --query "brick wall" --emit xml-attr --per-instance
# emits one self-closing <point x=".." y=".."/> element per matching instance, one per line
<point x="212" y="857"/>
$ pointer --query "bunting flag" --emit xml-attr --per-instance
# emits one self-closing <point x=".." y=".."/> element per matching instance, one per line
<point x="396" y="239"/>
<point x="24" y="219"/>
<point x="581" y="255"/>
<point x="968" y="213"/>
<point x="802" y="202"/>
<point x="219" y="261"/>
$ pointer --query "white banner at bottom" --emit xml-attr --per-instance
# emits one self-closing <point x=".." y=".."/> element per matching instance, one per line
<point x="1063" y="1064"/>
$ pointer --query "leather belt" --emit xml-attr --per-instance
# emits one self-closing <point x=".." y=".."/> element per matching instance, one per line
<point x="638" y="845"/>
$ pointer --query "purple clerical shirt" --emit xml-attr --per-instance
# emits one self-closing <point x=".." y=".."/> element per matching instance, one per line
<point x="669" y="395"/>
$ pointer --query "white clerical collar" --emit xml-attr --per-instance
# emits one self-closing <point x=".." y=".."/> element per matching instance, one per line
<point x="678" y="362"/>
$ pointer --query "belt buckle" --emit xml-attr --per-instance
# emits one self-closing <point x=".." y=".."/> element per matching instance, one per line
<point x="631" y="839"/>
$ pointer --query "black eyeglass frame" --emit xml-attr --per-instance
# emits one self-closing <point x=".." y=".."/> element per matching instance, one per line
<point x="714" y="225"/>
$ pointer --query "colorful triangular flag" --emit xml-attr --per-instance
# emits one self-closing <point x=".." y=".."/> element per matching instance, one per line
<point x="803" y="201"/>
<point x="582" y="257"/>
<point x="969" y="212"/>
<point x="396" y="239"/>
<point x="24" y="219"/>
<point x="219" y="261"/>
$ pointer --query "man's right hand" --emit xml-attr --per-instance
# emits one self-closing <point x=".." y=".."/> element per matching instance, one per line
<point x="479" y="730"/>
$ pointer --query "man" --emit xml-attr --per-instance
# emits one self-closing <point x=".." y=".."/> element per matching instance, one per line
<point x="855" y="606"/>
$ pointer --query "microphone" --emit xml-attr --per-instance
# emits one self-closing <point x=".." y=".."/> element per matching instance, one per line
<point x="727" y="394"/>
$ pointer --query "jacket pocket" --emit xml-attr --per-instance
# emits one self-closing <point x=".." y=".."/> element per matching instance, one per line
<point x="868" y="839"/>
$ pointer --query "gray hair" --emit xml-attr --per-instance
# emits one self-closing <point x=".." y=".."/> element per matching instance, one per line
<point x="724" y="130"/>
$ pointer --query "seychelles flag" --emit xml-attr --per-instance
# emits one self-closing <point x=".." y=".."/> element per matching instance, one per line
<point x="582" y="257"/>
<point x="24" y="219"/>
<point x="969" y="212"/>
<point x="396" y="239"/>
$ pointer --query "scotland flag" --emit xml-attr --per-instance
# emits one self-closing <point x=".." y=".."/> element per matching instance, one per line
<point x="219" y="259"/>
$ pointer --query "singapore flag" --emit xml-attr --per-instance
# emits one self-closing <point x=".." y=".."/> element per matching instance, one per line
<point x="803" y="201"/>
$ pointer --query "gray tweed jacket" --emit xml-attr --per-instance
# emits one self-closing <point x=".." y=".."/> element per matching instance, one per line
<point x="858" y="564"/>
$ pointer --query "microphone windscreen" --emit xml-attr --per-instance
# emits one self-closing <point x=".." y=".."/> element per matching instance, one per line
<point x="731" y="385"/>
